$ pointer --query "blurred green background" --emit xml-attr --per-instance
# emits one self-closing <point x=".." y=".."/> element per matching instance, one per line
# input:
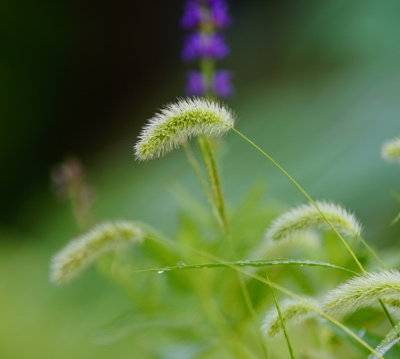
<point x="317" y="83"/>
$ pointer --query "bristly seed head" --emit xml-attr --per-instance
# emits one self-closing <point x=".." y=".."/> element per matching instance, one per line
<point x="307" y="217"/>
<point x="362" y="291"/>
<point x="176" y="123"/>
<point x="291" y="310"/>
<point x="84" y="250"/>
<point x="391" y="150"/>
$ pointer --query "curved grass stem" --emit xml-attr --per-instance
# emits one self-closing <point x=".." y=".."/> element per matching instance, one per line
<point x="303" y="192"/>
<point x="282" y="320"/>
<point x="372" y="252"/>
<point x="256" y="263"/>
<point x="313" y="202"/>
<point x="194" y="163"/>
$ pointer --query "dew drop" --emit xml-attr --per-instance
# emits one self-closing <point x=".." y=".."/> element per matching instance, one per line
<point x="181" y="264"/>
<point x="160" y="271"/>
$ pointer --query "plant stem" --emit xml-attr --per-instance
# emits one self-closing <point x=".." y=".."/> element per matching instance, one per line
<point x="257" y="263"/>
<point x="194" y="163"/>
<point x="372" y="252"/>
<point x="215" y="182"/>
<point x="303" y="192"/>
<point x="282" y="320"/>
<point x="313" y="202"/>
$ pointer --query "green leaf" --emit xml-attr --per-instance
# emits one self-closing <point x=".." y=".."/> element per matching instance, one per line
<point x="246" y="263"/>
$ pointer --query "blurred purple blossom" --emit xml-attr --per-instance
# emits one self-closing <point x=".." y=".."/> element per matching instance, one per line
<point x="204" y="46"/>
<point x="205" y="20"/>
<point x="219" y="13"/>
<point x="222" y="83"/>
<point x="191" y="14"/>
<point x="195" y="84"/>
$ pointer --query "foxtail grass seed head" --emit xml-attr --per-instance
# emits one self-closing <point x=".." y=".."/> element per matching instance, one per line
<point x="362" y="291"/>
<point x="84" y="250"/>
<point x="307" y="217"/>
<point x="292" y="311"/>
<point x="177" y="122"/>
<point x="391" y="150"/>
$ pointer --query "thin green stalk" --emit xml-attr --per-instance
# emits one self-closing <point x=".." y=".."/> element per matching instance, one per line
<point x="250" y="308"/>
<point x="215" y="182"/>
<point x="194" y="163"/>
<point x="282" y="320"/>
<point x="387" y="313"/>
<point x="312" y="201"/>
<point x="372" y="252"/>
<point x="257" y="263"/>
<point x="304" y="193"/>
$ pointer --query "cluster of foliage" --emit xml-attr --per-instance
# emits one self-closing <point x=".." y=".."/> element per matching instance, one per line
<point x="233" y="304"/>
<point x="238" y="278"/>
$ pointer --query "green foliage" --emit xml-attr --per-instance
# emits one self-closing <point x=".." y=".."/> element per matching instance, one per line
<point x="177" y="314"/>
<point x="230" y="294"/>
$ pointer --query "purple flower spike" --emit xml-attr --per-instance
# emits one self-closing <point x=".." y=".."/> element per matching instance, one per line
<point x="195" y="85"/>
<point x="204" y="46"/>
<point x="222" y="83"/>
<point x="205" y="20"/>
<point x="219" y="13"/>
<point x="191" y="15"/>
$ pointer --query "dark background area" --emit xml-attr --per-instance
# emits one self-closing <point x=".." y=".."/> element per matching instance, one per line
<point x="68" y="67"/>
<point x="73" y="72"/>
<point x="76" y="75"/>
